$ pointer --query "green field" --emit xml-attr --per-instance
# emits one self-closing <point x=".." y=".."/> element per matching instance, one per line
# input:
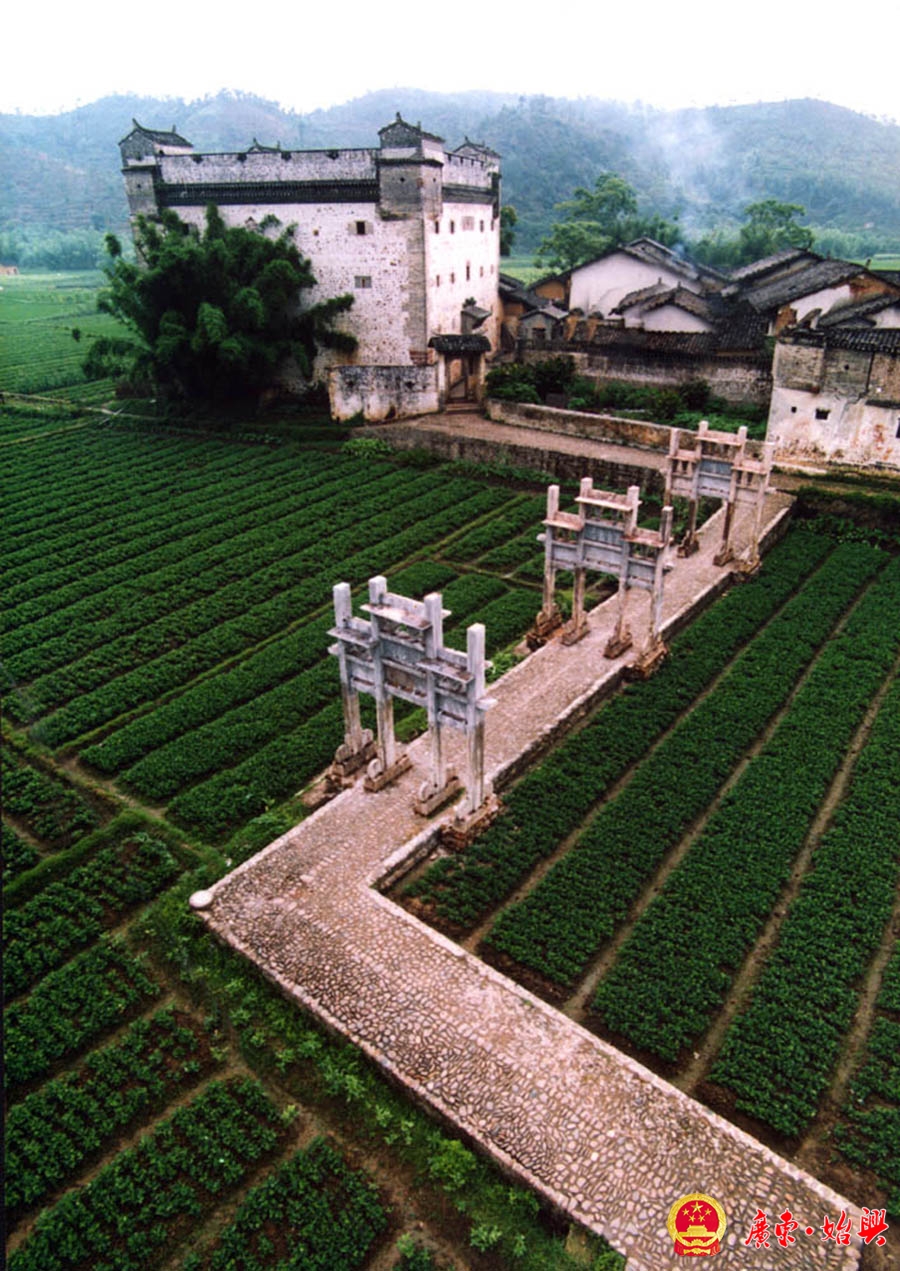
<point x="166" y="694"/>
<point x="38" y="352"/>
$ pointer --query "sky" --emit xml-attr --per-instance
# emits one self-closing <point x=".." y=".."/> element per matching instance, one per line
<point x="309" y="55"/>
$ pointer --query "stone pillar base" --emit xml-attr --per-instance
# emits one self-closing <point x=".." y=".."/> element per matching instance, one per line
<point x="431" y="798"/>
<point x="545" y="626"/>
<point x="617" y="645"/>
<point x="378" y="777"/>
<point x="688" y="545"/>
<point x="572" y="633"/>
<point x="724" y="556"/>
<point x="648" y="661"/>
<point x="347" y="763"/>
<point x="462" y="831"/>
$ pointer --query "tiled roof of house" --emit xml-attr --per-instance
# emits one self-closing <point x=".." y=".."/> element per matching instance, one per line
<point x="773" y="293"/>
<point x="854" y="339"/>
<point x="777" y="263"/>
<point x="857" y="313"/>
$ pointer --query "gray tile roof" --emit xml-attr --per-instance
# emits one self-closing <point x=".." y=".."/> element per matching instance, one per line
<point x="773" y="293"/>
<point x="157" y="136"/>
<point x="854" y="339"/>
<point x="858" y="313"/>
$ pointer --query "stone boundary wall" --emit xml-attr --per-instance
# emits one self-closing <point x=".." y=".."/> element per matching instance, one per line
<point x="741" y="379"/>
<point x="612" y="429"/>
<point x="578" y="423"/>
<point x="560" y="464"/>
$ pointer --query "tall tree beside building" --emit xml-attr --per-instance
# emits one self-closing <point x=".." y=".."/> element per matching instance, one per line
<point x="212" y="317"/>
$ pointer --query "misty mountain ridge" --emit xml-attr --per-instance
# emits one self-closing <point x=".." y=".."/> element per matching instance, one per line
<point x="702" y="165"/>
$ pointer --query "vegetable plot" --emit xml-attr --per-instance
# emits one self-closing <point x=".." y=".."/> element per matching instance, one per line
<point x="696" y="933"/>
<point x="559" y="925"/>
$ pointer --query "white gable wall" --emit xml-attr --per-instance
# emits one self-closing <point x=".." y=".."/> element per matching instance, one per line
<point x="602" y="284"/>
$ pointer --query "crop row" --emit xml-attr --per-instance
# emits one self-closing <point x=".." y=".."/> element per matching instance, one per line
<point x="228" y="738"/>
<point x="869" y="1130"/>
<point x="152" y="543"/>
<point x="57" y="559"/>
<point x="69" y="914"/>
<point x="313" y="1212"/>
<point x="824" y="945"/>
<point x="291" y="759"/>
<point x="226" y="638"/>
<point x="71" y="1008"/>
<point x="53" y="1131"/>
<point x="53" y="812"/>
<point x="464" y="888"/>
<point x="274" y="569"/>
<point x="742" y="859"/>
<point x="561" y="923"/>
<point x="218" y="694"/>
<point x="526" y="512"/>
<point x="506" y="557"/>
<point x="18" y="855"/>
<point x="104" y="474"/>
<point x="43" y="470"/>
<point x="147" y="1197"/>
<point x="184" y="601"/>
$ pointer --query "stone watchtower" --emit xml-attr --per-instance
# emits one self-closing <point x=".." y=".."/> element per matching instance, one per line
<point x="409" y="228"/>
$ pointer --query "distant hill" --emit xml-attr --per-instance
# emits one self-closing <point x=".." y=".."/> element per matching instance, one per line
<point x="62" y="171"/>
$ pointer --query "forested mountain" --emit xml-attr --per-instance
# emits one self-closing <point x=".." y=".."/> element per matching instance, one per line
<point x="704" y="165"/>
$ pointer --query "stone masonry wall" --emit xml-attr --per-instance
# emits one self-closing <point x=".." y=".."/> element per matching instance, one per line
<point x="741" y="381"/>
<point x="382" y="392"/>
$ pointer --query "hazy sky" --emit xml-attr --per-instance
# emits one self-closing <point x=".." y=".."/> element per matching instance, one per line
<point x="308" y="54"/>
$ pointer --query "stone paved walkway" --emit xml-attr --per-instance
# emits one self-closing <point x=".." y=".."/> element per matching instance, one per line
<point x="612" y="1144"/>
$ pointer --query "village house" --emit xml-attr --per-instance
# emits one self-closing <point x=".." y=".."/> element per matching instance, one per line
<point x="836" y="396"/>
<point x="646" y="314"/>
<point x="410" y="229"/>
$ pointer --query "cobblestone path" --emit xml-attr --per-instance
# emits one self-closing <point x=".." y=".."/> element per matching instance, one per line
<point x="612" y="1144"/>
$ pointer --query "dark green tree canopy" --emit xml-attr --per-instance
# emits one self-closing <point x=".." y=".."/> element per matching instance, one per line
<point x="595" y="221"/>
<point x="770" y="226"/>
<point x="213" y="317"/>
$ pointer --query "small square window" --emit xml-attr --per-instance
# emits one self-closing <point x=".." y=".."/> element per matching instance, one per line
<point x="453" y="227"/>
<point x="821" y="413"/>
<point x="362" y="282"/>
<point x="481" y="226"/>
<point x="437" y="281"/>
<point x="453" y="277"/>
<point x="468" y="222"/>
<point x="437" y="227"/>
<point x="468" y="271"/>
<point x="360" y="227"/>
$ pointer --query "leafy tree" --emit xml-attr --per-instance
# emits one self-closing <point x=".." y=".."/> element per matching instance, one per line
<point x="770" y="226"/>
<point x="213" y="317"/>
<point x="508" y="220"/>
<point x="595" y="221"/>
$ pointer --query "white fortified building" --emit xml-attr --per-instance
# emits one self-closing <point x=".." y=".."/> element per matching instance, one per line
<point x="410" y="229"/>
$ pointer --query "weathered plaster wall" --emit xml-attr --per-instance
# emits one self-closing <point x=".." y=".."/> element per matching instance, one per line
<point x="835" y="405"/>
<point x="382" y="392"/>
<point x="374" y="267"/>
<point x="852" y="432"/>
